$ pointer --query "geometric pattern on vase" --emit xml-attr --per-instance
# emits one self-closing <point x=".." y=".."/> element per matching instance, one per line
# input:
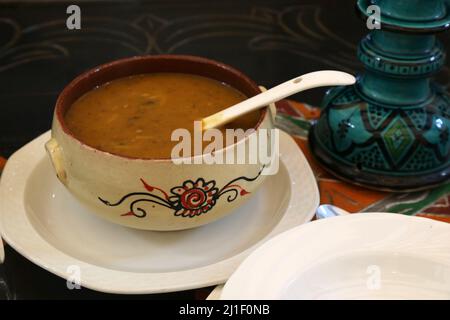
<point x="379" y="138"/>
<point x="398" y="139"/>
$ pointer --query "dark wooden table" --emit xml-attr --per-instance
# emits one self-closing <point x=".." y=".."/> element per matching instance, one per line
<point x="271" y="41"/>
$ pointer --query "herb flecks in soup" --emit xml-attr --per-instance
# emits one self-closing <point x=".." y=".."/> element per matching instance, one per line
<point x="135" y="116"/>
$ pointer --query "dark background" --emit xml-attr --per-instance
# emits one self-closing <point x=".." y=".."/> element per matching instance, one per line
<point x="271" y="41"/>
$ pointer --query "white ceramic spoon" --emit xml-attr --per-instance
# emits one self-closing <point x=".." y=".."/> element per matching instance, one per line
<point x="327" y="211"/>
<point x="307" y="81"/>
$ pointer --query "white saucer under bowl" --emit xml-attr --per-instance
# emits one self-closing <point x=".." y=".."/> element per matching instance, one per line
<point x="358" y="256"/>
<point x="43" y="222"/>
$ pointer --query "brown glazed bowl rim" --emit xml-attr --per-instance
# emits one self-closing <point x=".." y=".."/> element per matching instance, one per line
<point x="91" y="78"/>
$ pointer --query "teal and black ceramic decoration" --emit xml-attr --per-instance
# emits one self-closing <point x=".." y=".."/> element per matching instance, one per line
<point x="391" y="129"/>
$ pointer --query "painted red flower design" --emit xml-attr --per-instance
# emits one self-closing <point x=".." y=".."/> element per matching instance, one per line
<point x="194" y="198"/>
<point x="190" y="199"/>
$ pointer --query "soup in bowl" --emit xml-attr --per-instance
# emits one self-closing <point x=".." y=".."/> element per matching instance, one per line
<point x="112" y="141"/>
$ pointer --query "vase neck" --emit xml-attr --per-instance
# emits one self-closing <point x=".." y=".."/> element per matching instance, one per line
<point x="398" y="66"/>
<point x="401" y="45"/>
<point x="394" y="91"/>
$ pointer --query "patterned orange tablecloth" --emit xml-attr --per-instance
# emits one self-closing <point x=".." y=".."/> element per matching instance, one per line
<point x="296" y="118"/>
<point x="2" y="163"/>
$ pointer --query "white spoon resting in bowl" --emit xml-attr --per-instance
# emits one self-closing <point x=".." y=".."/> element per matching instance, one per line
<point x="307" y="81"/>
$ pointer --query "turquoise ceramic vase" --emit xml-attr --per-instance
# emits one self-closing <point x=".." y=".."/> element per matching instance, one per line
<point x="391" y="129"/>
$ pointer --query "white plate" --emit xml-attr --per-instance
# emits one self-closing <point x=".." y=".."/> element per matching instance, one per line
<point x="43" y="222"/>
<point x="216" y="293"/>
<point x="360" y="256"/>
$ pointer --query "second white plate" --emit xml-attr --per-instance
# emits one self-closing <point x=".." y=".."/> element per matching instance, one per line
<point x="43" y="222"/>
<point x="357" y="256"/>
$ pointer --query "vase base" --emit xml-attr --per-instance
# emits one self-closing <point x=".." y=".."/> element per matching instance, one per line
<point x="377" y="181"/>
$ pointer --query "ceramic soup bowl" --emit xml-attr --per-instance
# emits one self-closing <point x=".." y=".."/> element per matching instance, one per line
<point x="153" y="194"/>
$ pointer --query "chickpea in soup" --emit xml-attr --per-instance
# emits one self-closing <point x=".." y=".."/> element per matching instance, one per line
<point x="135" y="116"/>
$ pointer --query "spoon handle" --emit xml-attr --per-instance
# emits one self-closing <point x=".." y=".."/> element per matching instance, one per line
<point x="327" y="211"/>
<point x="290" y="87"/>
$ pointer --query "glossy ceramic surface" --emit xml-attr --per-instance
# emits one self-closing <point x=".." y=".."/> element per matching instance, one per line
<point x="391" y="130"/>
<point x="154" y="194"/>
<point x="357" y="256"/>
